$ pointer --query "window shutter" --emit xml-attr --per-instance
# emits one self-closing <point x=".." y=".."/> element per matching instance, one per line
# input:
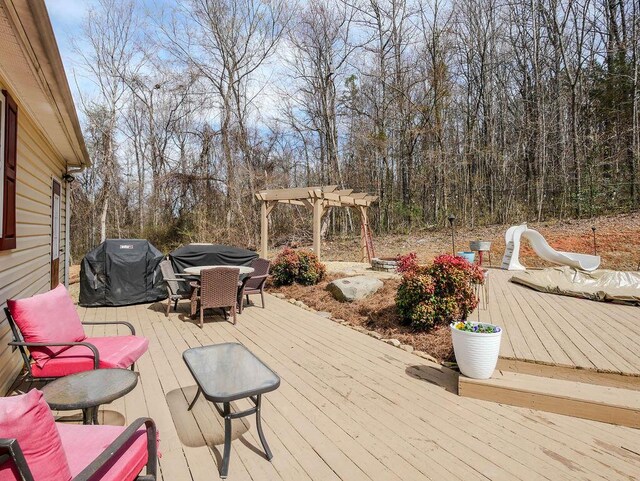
<point x="8" y="240"/>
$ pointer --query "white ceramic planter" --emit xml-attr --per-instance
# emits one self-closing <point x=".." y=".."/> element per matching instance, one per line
<point x="476" y="353"/>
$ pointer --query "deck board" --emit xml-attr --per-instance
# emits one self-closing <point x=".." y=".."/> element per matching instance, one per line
<point x="353" y="408"/>
<point x="459" y="438"/>
<point x="403" y="415"/>
<point x="563" y="331"/>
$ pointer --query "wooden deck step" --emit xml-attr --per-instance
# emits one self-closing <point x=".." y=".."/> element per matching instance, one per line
<point x="570" y="373"/>
<point x="588" y="401"/>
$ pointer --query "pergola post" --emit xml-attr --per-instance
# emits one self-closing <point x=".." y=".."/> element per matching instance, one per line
<point x="318" y="209"/>
<point x="265" y="209"/>
<point x="318" y="200"/>
<point x="264" y="230"/>
<point x="363" y="234"/>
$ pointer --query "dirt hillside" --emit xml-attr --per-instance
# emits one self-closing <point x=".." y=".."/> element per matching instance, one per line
<point x="617" y="242"/>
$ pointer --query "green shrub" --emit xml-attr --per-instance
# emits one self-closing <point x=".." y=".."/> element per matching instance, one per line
<point x="311" y="270"/>
<point x="438" y="294"/>
<point x="302" y="267"/>
<point x="285" y="267"/>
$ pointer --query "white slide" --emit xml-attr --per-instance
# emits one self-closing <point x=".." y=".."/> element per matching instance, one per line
<point x="511" y="262"/>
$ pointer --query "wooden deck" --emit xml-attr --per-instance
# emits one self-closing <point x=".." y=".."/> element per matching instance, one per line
<point x="563" y="332"/>
<point x="351" y="408"/>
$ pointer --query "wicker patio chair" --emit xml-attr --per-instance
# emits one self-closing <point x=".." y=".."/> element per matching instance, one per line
<point x="177" y="288"/>
<point x="255" y="284"/>
<point x="219" y="289"/>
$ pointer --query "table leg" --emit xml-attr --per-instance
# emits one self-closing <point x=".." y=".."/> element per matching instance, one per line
<point x="90" y="415"/>
<point x="193" y="301"/>
<point x="240" y="301"/>
<point x="195" y="399"/>
<point x="263" y="440"/>
<point x="227" y="442"/>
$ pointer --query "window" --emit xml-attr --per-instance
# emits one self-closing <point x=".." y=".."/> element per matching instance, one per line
<point x="8" y="168"/>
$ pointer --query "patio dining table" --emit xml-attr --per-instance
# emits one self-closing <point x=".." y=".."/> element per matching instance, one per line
<point x="245" y="274"/>
<point x="195" y="271"/>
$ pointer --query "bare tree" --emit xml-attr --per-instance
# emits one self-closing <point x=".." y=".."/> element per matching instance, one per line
<point x="226" y="42"/>
<point x="494" y="110"/>
<point x="107" y="46"/>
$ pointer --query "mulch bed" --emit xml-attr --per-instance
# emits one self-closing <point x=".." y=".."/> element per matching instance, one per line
<point x="376" y="313"/>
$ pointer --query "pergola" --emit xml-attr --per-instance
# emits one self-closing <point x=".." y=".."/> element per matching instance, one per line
<point x="317" y="200"/>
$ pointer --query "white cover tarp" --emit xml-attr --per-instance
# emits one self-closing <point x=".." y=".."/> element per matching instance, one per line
<point x="599" y="285"/>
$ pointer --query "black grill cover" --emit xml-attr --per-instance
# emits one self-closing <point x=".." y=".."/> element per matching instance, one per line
<point x="120" y="272"/>
<point x="194" y="255"/>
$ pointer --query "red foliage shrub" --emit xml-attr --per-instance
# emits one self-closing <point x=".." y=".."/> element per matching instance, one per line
<point x="302" y="267"/>
<point x="406" y="262"/>
<point x="437" y="294"/>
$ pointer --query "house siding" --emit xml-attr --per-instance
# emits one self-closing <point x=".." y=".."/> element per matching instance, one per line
<point x="26" y="270"/>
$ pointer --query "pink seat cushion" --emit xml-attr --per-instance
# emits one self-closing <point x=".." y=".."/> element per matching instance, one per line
<point x="28" y="419"/>
<point x="48" y="317"/>
<point x="115" y="351"/>
<point x="83" y="444"/>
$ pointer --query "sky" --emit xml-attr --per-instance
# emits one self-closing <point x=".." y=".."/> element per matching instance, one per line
<point x="67" y="17"/>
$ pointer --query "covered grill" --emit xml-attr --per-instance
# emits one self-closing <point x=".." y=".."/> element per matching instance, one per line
<point x="194" y="255"/>
<point x="120" y="272"/>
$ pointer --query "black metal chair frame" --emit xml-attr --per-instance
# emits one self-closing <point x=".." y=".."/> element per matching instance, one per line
<point x="19" y="343"/>
<point x="241" y="294"/>
<point x="175" y="297"/>
<point x="10" y="450"/>
<point x="254" y="290"/>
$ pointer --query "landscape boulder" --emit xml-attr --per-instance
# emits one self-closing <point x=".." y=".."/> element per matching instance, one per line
<point x="353" y="288"/>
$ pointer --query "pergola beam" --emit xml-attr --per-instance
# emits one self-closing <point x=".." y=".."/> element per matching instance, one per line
<point x="290" y="202"/>
<point x="307" y="204"/>
<point x="294" y="193"/>
<point x="317" y="199"/>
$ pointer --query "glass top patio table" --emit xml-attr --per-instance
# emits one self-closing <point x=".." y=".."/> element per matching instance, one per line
<point x="88" y="390"/>
<point x="227" y="372"/>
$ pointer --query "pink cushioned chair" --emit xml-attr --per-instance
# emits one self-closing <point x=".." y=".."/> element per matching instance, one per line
<point x="34" y="447"/>
<point x="48" y="326"/>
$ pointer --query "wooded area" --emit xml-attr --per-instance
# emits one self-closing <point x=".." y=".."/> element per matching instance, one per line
<point x="494" y="110"/>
